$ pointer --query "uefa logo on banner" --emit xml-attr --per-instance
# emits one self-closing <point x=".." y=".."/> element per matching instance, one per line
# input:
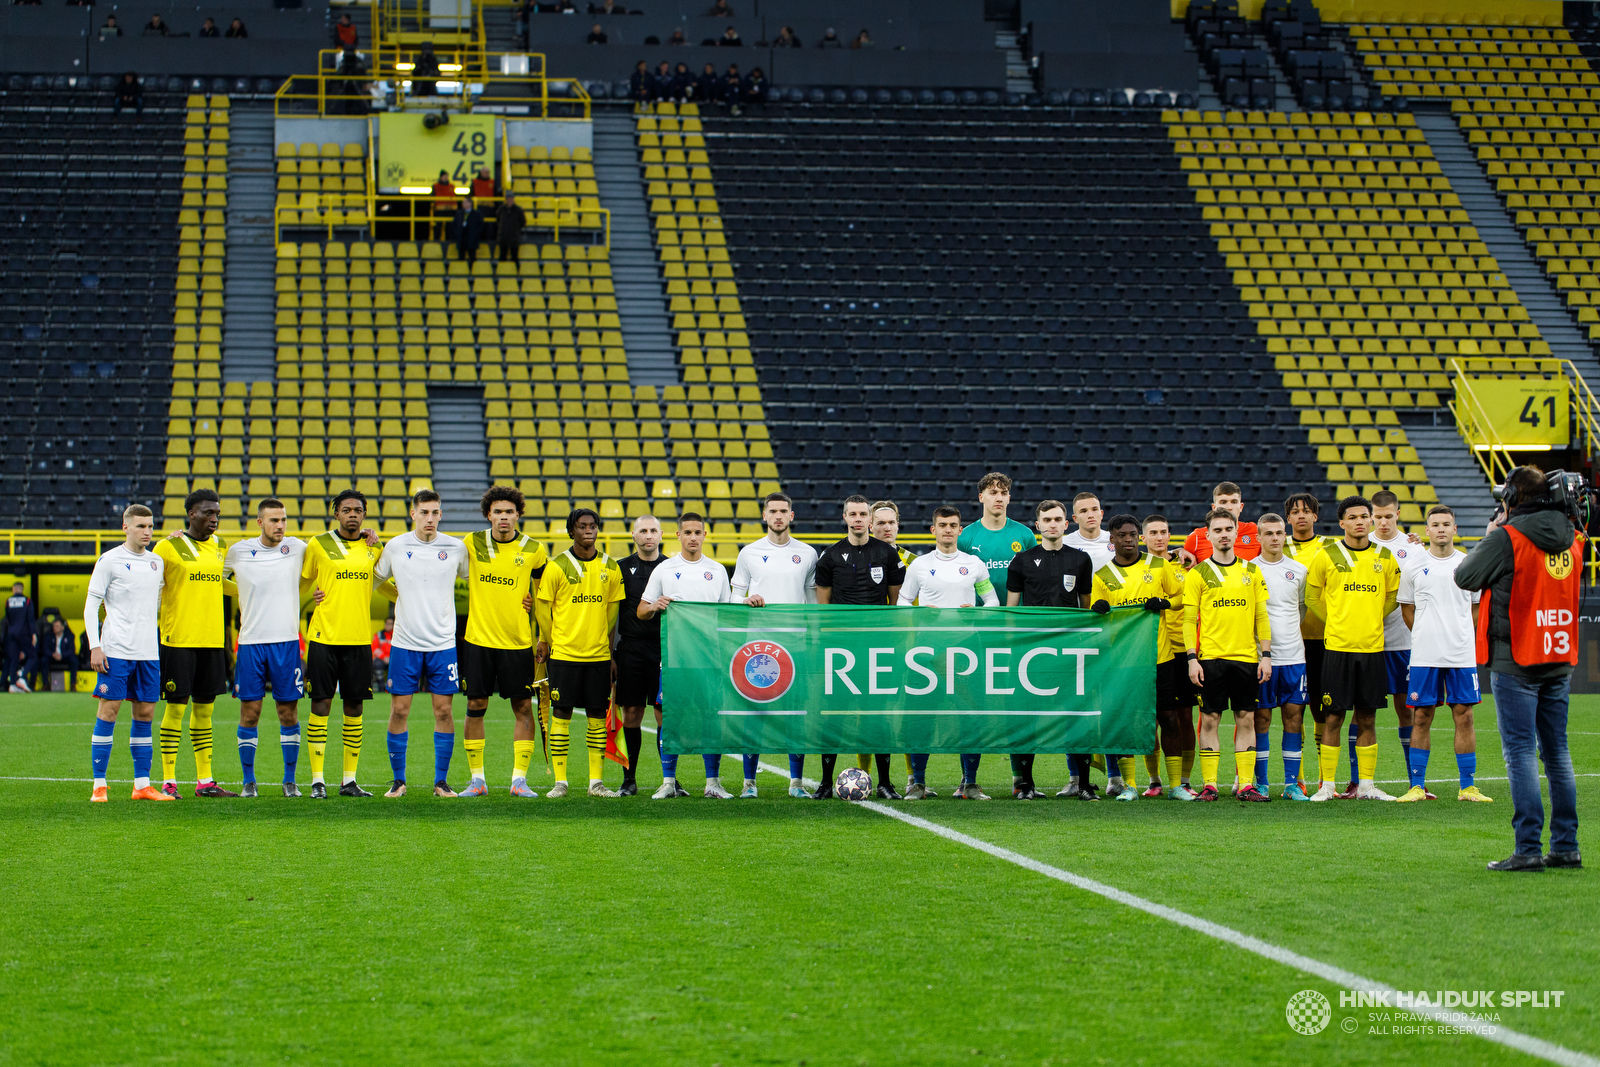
<point x="762" y="671"/>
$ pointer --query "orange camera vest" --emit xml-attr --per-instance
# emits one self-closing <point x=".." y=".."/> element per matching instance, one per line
<point x="1544" y="603"/>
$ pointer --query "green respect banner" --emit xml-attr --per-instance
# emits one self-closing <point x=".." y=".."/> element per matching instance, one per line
<point x="881" y="679"/>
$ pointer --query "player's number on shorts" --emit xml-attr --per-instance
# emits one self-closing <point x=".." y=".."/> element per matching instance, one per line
<point x="1557" y="642"/>
<point x="452" y="672"/>
<point x="298" y="684"/>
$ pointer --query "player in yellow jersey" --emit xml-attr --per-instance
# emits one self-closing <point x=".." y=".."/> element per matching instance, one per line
<point x="1228" y="643"/>
<point x="1352" y="585"/>
<point x="1303" y="546"/>
<point x="194" y="662"/>
<point x="576" y="608"/>
<point x="1174" y="693"/>
<point x="497" y="656"/>
<point x="338" y="569"/>
<point x="1132" y="577"/>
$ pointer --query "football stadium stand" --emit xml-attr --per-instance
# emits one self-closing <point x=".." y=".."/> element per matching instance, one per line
<point x="1136" y="250"/>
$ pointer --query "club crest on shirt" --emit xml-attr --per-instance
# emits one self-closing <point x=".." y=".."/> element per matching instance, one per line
<point x="517" y="562"/>
<point x="961" y="570"/>
<point x="794" y="559"/>
<point x="1147" y="577"/>
<point x="706" y="575"/>
<point x="443" y="554"/>
<point x="1377" y="568"/>
<point x="152" y="564"/>
<point x="283" y="551"/>
<point x="1400" y="553"/>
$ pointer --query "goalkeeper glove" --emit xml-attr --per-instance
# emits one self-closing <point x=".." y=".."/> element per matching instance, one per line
<point x="1157" y="605"/>
<point x="1101" y="606"/>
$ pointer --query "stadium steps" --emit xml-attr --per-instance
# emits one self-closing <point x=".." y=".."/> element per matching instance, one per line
<point x="1019" y="75"/>
<point x="247" y="331"/>
<point x="500" y="29"/>
<point x="646" y="333"/>
<point x="1454" y="474"/>
<point x="460" y="462"/>
<point x="1495" y="228"/>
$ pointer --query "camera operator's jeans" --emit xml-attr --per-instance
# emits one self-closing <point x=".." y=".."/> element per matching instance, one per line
<point x="1532" y="716"/>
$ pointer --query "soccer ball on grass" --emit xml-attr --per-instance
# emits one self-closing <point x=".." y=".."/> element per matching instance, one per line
<point x="853" y="783"/>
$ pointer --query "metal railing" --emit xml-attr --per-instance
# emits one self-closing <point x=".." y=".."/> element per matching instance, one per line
<point x="1584" y="408"/>
<point x="466" y="81"/>
<point x="1477" y="429"/>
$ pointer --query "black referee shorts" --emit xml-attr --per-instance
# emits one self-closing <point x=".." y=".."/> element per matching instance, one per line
<point x="1228" y="681"/>
<point x="1174" y="691"/>
<point x="638" y="676"/>
<point x="579" y="685"/>
<point x="1353" y="680"/>
<point x="487" y="671"/>
<point x="1315" y="650"/>
<point x="197" y="674"/>
<point x="346" y="668"/>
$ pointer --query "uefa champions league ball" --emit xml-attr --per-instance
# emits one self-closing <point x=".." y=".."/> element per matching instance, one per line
<point x="853" y="783"/>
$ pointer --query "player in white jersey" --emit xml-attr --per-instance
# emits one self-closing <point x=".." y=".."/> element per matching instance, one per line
<point x="1442" y="618"/>
<point x="947" y="578"/>
<point x="775" y="570"/>
<point x="1088" y="536"/>
<point x="1286" y="689"/>
<point x="423" y="566"/>
<point x="266" y="568"/>
<point x="1386" y="533"/>
<point x="688" y="575"/>
<point x="126" y="652"/>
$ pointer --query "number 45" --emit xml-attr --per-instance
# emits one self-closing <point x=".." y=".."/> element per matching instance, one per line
<point x="1530" y="411"/>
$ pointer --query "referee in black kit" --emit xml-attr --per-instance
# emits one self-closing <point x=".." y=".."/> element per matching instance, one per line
<point x="859" y="570"/>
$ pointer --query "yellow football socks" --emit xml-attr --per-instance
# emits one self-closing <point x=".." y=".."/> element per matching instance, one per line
<point x="1209" y="759"/>
<point x="317" y="743"/>
<point x="864" y="760"/>
<point x="1328" y="762"/>
<point x="521" y="757"/>
<point x="560" y="734"/>
<point x="200" y="739"/>
<point x="171" y="735"/>
<point x="474" y="756"/>
<point x="352" y="745"/>
<point x="1125" y="766"/>
<point x="1174" y="770"/>
<point x="596" y="736"/>
<point x="1152" y="765"/>
<point x="1366" y="763"/>
<point x="1244" y="764"/>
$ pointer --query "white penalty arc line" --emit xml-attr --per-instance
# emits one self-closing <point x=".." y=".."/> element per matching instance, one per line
<point x="1499" y="1035"/>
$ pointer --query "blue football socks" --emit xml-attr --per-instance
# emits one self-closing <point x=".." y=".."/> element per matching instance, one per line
<point x="247" y="752"/>
<point x="1467" y="767"/>
<point x="713" y="766"/>
<point x="969" y="767"/>
<point x="752" y="763"/>
<point x="919" y="768"/>
<point x="140" y="745"/>
<point x="1405" y="744"/>
<point x="1263" y="754"/>
<point x="289" y="739"/>
<point x="100" y="747"/>
<point x="1291" y="757"/>
<point x="1417" y="766"/>
<point x="797" y="766"/>
<point x="444" y="745"/>
<point x="397" y="754"/>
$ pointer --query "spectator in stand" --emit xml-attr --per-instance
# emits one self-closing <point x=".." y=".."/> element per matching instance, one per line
<point x="27" y="3"/>
<point x="786" y="39"/>
<point x="483" y="184"/>
<point x="110" y="29"/>
<point x="508" y="230"/>
<point x="155" y="27"/>
<point x="560" y="7"/>
<point x="22" y="638"/>
<point x="597" y="35"/>
<point x="830" y="40"/>
<point x="755" y="86"/>
<point x="425" y="72"/>
<point x="208" y="28"/>
<point x="345" y="33"/>
<point x="678" y="37"/>
<point x="708" y="86"/>
<point x="662" y="83"/>
<point x="641" y="87"/>
<point x="382" y="646"/>
<point x="732" y="88"/>
<point x="355" y="88"/>
<point x="129" y="93"/>
<point x="609" y="7"/>
<point x="863" y="40"/>
<point x="468" y="223"/>
<point x="730" y="38"/>
<point x="682" y="83"/>
<point x="444" y="203"/>
<point x="236" y="29"/>
<point x="720" y="10"/>
<point x="60" y="653"/>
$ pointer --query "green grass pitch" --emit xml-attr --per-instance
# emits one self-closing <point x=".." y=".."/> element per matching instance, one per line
<point x="774" y="931"/>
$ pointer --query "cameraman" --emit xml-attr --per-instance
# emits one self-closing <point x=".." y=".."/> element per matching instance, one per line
<point x="1530" y="570"/>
